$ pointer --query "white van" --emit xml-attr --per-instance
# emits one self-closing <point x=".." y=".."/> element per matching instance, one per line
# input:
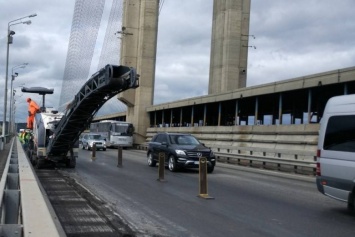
<point x="336" y="150"/>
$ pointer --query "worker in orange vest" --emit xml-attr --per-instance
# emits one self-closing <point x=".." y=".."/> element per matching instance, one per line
<point x="33" y="108"/>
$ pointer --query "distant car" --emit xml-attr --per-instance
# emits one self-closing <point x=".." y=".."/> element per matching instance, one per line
<point x="181" y="151"/>
<point x="89" y="139"/>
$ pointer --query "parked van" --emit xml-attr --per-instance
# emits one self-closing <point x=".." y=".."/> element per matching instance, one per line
<point x="336" y="150"/>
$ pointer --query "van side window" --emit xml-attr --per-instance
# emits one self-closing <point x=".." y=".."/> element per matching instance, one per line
<point x="340" y="133"/>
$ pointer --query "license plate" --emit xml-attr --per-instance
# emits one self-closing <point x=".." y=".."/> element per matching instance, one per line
<point x="196" y="162"/>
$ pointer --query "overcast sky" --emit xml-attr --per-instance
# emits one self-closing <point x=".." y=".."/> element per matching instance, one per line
<point x="293" y="39"/>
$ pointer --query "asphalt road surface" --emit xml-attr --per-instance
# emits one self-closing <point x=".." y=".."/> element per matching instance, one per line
<point x="245" y="203"/>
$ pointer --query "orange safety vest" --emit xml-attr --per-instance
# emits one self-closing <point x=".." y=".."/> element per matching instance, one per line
<point x="33" y="107"/>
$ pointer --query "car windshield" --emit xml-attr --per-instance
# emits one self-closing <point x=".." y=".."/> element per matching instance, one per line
<point x="95" y="137"/>
<point x="183" y="140"/>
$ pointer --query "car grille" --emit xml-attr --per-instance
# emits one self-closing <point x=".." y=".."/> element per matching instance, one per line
<point x="197" y="154"/>
<point x="98" y="143"/>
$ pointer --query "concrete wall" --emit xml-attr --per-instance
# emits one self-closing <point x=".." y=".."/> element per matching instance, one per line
<point x="301" y="138"/>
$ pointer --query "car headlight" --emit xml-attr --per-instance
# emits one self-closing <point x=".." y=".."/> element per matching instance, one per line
<point x="180" y="152"/>
<point x="211" y="153"/>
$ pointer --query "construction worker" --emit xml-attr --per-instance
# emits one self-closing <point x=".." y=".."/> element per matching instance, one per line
<point x="22" y="137"/>
<point x="27" y="136"/>
<point x="33" y="108"/>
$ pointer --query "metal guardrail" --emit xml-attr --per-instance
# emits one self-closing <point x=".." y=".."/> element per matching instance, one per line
<point x="10" y="197"/>
<point x="3" y="141"/>
<point x="25" y="211"/>
<point x="296" y="161"/>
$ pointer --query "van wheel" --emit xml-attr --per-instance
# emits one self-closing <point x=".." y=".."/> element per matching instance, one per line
<point x="351" y="202"/>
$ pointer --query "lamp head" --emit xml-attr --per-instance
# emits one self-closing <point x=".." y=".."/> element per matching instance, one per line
<point x="16" y="74"/>
<point x="27" y="22"/>
<point x="33" y="15"/>
<point x="11" y="33"/>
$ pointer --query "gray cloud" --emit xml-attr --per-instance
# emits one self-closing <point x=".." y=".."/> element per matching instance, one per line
<point x="293" y="39"/>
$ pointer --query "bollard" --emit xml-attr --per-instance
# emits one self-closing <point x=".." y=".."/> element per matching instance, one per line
<point x="203" y="179"/>
<point x="161" y="166"/>
<point x="93" y="152"/>
<point x="119" y="157"/>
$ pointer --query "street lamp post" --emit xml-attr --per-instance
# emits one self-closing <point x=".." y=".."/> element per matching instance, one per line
<point x="11" y="98"/>
<point x="13" y="113"/>
<point x="10" y="33"/>
<point x="13" y="75"/>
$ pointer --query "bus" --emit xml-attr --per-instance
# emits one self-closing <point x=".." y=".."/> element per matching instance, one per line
<point x="116" y="133"/>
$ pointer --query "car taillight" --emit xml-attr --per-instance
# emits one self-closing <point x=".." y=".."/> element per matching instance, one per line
<point x="318" y="153"/>
<point x="318" y="171"/>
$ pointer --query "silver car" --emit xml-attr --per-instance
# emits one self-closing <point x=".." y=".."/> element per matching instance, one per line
<point x="88" y="140"/>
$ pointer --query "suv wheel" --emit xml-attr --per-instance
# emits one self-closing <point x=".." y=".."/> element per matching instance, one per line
<point x="210" y="169"/>
<point x="172" y="164"/>
<point x="150" y="160"/>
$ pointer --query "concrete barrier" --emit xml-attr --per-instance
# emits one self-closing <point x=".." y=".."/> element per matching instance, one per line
<point x="26" y="211"/>
<point x="278" y="147"/>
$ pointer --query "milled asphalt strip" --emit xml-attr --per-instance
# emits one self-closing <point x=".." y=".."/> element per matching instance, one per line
<point x="37" y="218"/>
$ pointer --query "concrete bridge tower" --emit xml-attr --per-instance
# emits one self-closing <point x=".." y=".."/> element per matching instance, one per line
<point x="138" y="50"/>
<point x="229" y="52"/>
<point x="229" y="46"/>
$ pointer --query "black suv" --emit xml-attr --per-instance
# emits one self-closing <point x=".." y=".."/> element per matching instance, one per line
<point x="181" y="150"/>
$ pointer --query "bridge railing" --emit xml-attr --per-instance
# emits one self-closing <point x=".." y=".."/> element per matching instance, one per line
<point x="25" y="211"/>
<point x="296" y="161"/>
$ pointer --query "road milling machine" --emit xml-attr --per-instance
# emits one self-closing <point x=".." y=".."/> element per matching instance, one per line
<point x="56" y="134"/>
